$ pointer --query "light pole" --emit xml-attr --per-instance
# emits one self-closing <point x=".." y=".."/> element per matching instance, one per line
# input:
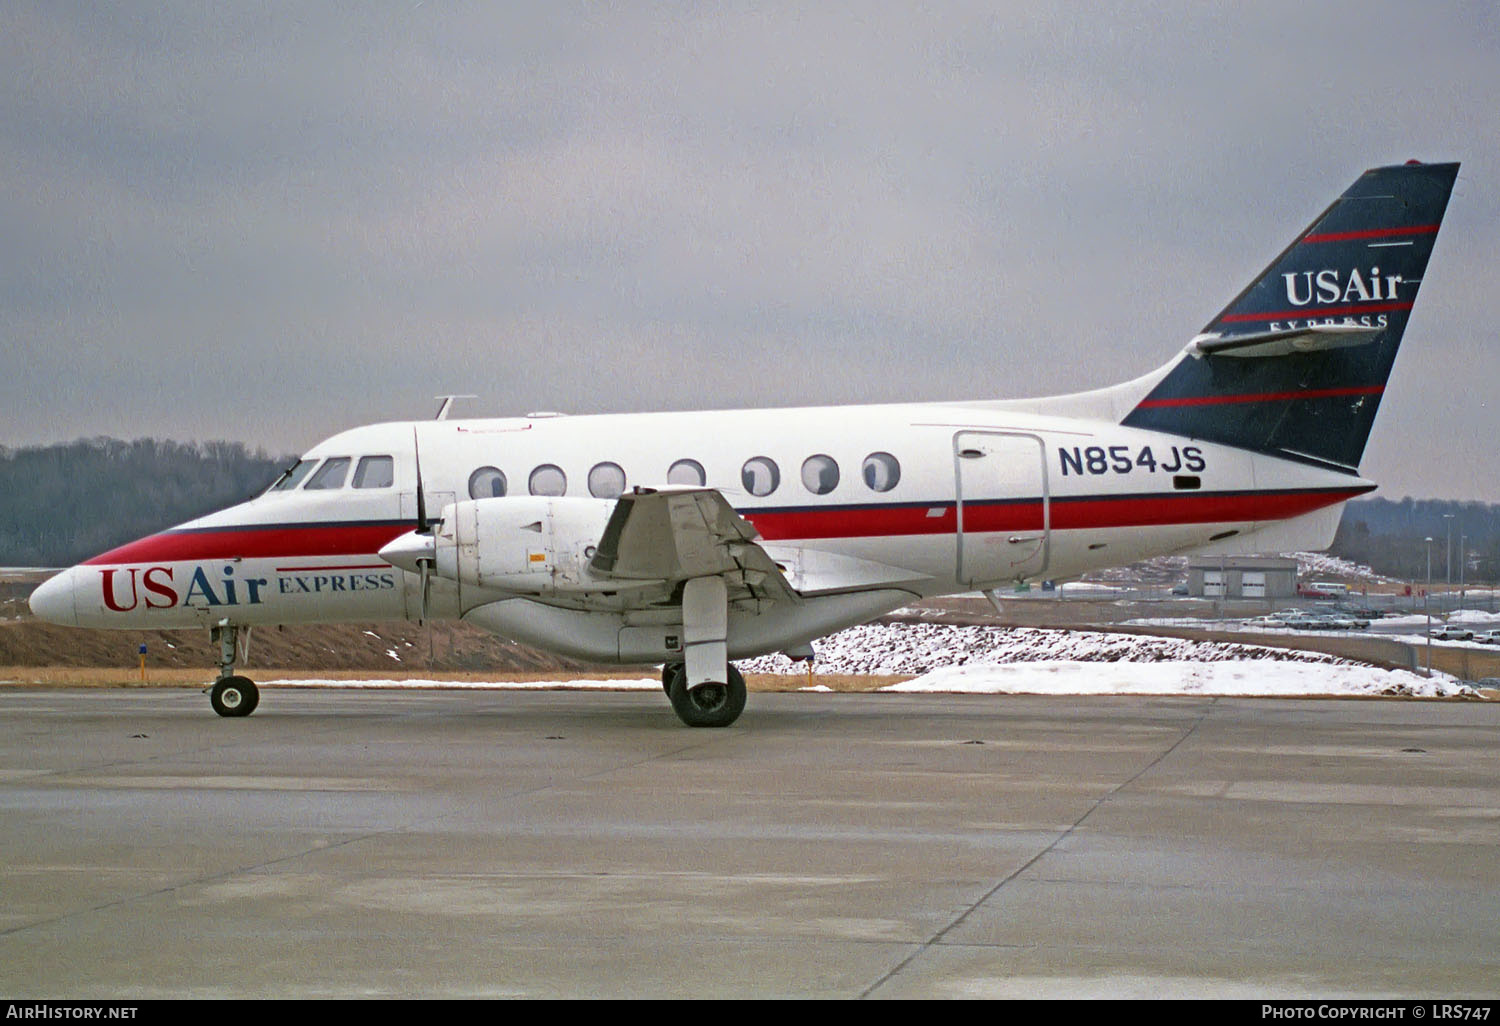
<point x="1427" y="601"/>
<point x="1463" y="562"/>
<point x="1448" y="559"/>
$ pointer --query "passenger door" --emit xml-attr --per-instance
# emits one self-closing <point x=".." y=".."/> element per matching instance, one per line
<point x="1004" y="510"/>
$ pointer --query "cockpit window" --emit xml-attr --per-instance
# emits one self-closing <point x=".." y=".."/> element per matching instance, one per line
<point x="375" y="472"/>
<point x="330" y="475"/>
<point x="293" y="475"/>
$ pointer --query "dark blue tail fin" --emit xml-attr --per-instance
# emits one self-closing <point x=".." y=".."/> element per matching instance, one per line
<point x="1296" y="364"/>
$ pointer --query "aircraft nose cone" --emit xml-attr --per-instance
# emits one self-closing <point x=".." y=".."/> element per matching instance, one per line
<point x="409" y="550"/>
<point x="53" y="601"/>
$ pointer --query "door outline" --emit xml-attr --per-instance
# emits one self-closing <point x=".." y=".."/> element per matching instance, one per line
<point x="966" y="452"/>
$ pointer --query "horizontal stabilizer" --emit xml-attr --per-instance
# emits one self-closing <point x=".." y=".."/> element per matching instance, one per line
<point x="1311" y="339"/>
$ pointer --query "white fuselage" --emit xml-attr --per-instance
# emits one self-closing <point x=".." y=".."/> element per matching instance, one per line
<point x="898" y="502"/>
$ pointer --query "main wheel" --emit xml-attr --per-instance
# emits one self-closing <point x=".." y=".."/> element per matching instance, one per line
<point x="234" y="696"/>
<point x="707" y="705"/>
<point x="666" y="676"/>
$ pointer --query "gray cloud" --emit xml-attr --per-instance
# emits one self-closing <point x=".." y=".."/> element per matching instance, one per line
<point x="270" y="222"/>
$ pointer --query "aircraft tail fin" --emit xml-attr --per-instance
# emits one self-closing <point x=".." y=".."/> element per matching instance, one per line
<point x="1296" y="364"/>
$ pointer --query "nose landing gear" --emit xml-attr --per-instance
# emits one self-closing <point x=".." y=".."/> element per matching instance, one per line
<point x="231" y="694"/>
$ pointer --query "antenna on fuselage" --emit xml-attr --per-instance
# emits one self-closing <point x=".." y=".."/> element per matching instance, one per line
<point x="447" y="407"/>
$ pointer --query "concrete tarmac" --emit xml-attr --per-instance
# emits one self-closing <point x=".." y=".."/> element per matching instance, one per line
<point x="518" y="844"/>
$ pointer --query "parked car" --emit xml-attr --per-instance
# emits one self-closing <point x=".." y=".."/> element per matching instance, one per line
<point x="1303" y="622"/>
<point x="1269" y="620"/>
<point x="1333" y="622"/>
<point x="1490" y="637"/>
<point x="1452" y="632"/>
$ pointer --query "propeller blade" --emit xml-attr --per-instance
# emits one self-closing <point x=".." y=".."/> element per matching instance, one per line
<point x="422" y="526"/>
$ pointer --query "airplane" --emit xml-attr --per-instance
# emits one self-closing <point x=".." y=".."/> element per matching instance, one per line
<point x="695" y="539"/>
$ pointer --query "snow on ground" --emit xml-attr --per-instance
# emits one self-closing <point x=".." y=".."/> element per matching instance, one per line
<point x="997" y="660"/>
<point x="921" y="647"/>
<point x="1039" y="661"/>
<point x="1473" y="616"/>
<point x="1250" y="677"/>
<point x="1321" y="565"/>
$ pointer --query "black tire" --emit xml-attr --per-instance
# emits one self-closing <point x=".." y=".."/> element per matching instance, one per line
<point x="252" y="696"/>
<point x="666" y="676"/>
<point x="234" y="696"/>
<point x="707" y="705"/>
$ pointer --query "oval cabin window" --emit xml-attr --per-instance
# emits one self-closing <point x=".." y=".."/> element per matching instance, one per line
<point x="760" y="475"/>
<point x="548" y="480"/>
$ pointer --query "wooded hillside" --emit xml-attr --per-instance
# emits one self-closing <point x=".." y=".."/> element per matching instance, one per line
<point x="60" y="504"/>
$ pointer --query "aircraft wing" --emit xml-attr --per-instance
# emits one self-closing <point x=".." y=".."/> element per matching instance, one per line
<point x="676" y="534"/>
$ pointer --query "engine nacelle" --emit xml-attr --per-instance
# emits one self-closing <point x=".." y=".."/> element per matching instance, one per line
<point x="528" y="544"/>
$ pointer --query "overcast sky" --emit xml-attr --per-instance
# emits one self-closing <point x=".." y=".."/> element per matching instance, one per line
<point x="268" y="222"/>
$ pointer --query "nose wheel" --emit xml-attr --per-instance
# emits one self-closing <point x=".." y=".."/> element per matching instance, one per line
<point x="232" y="694"/>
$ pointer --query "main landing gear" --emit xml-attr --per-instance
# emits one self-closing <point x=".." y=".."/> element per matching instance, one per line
<point x="232" y="694"/>
<point x="705" y="690"/>
<point x="710" y="704"/>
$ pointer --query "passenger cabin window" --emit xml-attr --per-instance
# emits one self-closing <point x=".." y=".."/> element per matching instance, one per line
<point x="486" y="483"/>
<point x="606" y="481"/>
<point x="687" y="472"/>
<point x="881" y="471"/>
<point x="375" y="472"/>
<point x="760" y="475"/>
<point x="330" y="475"/>
<point x="548" y="480"/>
<point x="293" y="475"/>
<point x="820" y="474"/>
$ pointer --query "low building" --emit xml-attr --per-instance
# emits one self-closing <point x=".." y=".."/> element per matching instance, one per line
<point x="1242" y="577"/>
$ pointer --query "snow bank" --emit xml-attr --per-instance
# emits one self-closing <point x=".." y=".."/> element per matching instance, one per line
<point x="912" y="648"/>
<point x="1255" y="677"/>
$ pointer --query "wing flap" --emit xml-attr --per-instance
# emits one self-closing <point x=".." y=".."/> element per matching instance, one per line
<point x="816" y="572"/>
<point x="677" y="534"/>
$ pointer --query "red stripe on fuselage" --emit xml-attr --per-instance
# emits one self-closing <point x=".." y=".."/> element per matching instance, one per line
<point x="1068" y="513"/>
<point x="854" y="521"/>
<point x="1150" y="511"/>
<point x="295" y="540"/>
<point x="1260" y="397"/>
